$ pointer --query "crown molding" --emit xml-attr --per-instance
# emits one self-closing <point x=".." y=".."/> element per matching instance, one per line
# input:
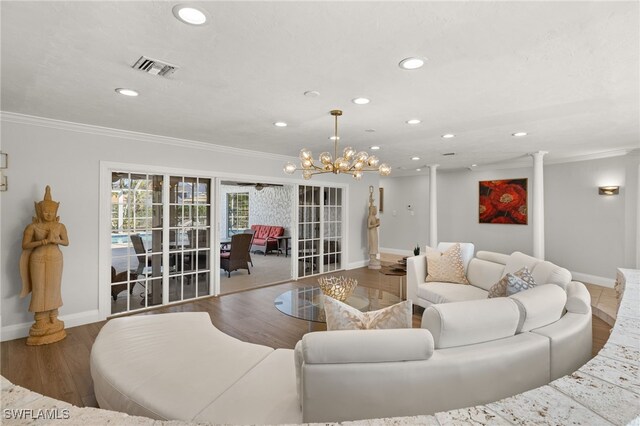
<point x="526" y="161"/>
<point x="12" y="117"/>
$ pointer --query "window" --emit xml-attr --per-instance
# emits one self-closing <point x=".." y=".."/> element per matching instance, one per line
<point x="237" y="212"/>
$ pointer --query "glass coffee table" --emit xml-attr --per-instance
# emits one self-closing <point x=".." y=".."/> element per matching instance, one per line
<point x="306" y="303"/>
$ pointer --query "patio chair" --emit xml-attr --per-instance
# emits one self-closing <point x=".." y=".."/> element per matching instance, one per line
<point x="238" y="256"/>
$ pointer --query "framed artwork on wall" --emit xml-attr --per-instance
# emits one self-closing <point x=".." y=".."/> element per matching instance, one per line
<point x="503" y="201"/>
<point x="381" y="209"/>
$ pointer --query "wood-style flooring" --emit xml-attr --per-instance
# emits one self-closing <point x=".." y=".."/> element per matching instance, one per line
<point x="61" y="370"/>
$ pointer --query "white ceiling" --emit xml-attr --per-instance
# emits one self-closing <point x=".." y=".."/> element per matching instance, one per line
<point x="565" y="72"/>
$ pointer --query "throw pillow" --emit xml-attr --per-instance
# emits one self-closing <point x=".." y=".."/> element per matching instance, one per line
<point x="446" y="267"/>
<point x="341" y="316"/>
<point x="517" y="284"/>
<point x="499" y="289"/>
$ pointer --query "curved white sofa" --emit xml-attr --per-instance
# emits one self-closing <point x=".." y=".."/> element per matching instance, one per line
<point x="179" y="366"/>
<point x="482" y="271"/>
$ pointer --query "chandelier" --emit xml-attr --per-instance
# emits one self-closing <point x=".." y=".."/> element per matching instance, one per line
<point x="351" y="162"/>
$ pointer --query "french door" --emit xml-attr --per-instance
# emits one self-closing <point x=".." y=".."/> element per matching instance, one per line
<point x="320" y="218"/>
<point x="160" y="239"/>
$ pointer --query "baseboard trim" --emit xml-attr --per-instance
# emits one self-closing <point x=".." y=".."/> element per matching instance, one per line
<point x="396" y="251"/>
<point x="358" y="264"/>
<point x="593" y="279"/>
<point x="18" y="331"/>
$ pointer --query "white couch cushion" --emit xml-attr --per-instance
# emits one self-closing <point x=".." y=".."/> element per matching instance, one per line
<point x="548" y="273"/>
<point x="484" y="273"/>
<point x="519" y="260"/>
<point x="168" y="351"/>
<point x="471" y="322"/>
<point x="364" y="346"/>
<point x="448" y="292"/>
<point x="494" y="257"/>
<point x="578" y="298"/>
<point x="539" y="306"/>
<point x="265" y="395"/>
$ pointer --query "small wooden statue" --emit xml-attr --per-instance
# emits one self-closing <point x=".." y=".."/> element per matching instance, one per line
<point x="41" y="271"/>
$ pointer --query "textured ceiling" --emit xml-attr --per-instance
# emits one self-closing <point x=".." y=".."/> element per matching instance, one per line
<point x="565" y="72"/>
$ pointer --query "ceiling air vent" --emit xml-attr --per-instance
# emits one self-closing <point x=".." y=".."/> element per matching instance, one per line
<point x="449" y="153"/>
<point x="154" y="67"/>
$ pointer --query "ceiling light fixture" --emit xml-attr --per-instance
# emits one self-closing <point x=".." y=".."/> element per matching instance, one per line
<point x="280" y="124"/>
<point x="374" y="148"/>
<point x="413" y="121"/>
<point x="350" y="162"/>
<point x="127" y="92"/>
<point x="519" y="134"/>
<point x="312" y="93"/>
<point x="360" y="101"/>
<point x="411" y="63"/>
<point x="189" y="14"/>
<point x="474" y="165"/>
<point x="418" y="170"/>
<point x="415" y="158"/>
<point x="449" y="136"/>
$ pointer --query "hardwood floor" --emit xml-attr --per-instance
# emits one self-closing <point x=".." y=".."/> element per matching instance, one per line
<point x="61" y="370"/>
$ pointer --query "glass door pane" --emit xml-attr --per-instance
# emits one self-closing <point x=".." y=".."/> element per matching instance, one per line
<point x="136" y="237"/>
<point x="189" y="242"/>
<point x="332" y="234"/>
<point x="309" y="250"/>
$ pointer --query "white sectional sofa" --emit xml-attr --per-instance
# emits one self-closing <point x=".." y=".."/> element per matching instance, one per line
<point x="179" y="366"/>
<point x="482" y="271"/>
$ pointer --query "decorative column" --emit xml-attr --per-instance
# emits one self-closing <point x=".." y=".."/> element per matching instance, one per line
<point x="433" y="206"/>
<point x="537" y="215"/>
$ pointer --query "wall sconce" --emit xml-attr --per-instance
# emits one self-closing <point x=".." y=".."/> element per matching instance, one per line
<point x="608" y="190"/>
<point x="4" y="163"/>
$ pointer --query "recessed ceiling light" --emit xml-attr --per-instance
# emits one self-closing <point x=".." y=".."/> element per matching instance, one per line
<point x="189" y="14"/>
<point x="360" y="101"/>
<point x="334" y="138"/>
<point x="474" y="165"/>
<point x="417" y="170"/>
<point x="312" y="93"/>
<point x="413" y="121"/>
<point x="411" y="63"/>
<point x="415" y="158"/>
<point x="519" y="134"/>
<point x="127" y="92"/>
<point x="280" y="124"/>
<point x="374" y="148"/>
<point x="449" y="136"/>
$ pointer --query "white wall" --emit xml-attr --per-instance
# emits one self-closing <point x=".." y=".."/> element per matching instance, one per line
<point x="402" y="228"/>
<point x="458" y="212"/>
<point x="587" y="233"/>
<point x="67" y="156"/>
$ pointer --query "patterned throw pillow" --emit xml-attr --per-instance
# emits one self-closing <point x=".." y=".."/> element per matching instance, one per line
<point x="499" y="289"/>
<point x="341" y="316"/>
<point x="517" y="284"/>
<point x="446" y="267"/>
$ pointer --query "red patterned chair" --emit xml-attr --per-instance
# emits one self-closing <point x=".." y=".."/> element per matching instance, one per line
<point x="265" y="237"/>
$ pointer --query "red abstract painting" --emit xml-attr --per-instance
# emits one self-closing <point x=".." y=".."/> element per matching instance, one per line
<point x="503" y="201"/>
